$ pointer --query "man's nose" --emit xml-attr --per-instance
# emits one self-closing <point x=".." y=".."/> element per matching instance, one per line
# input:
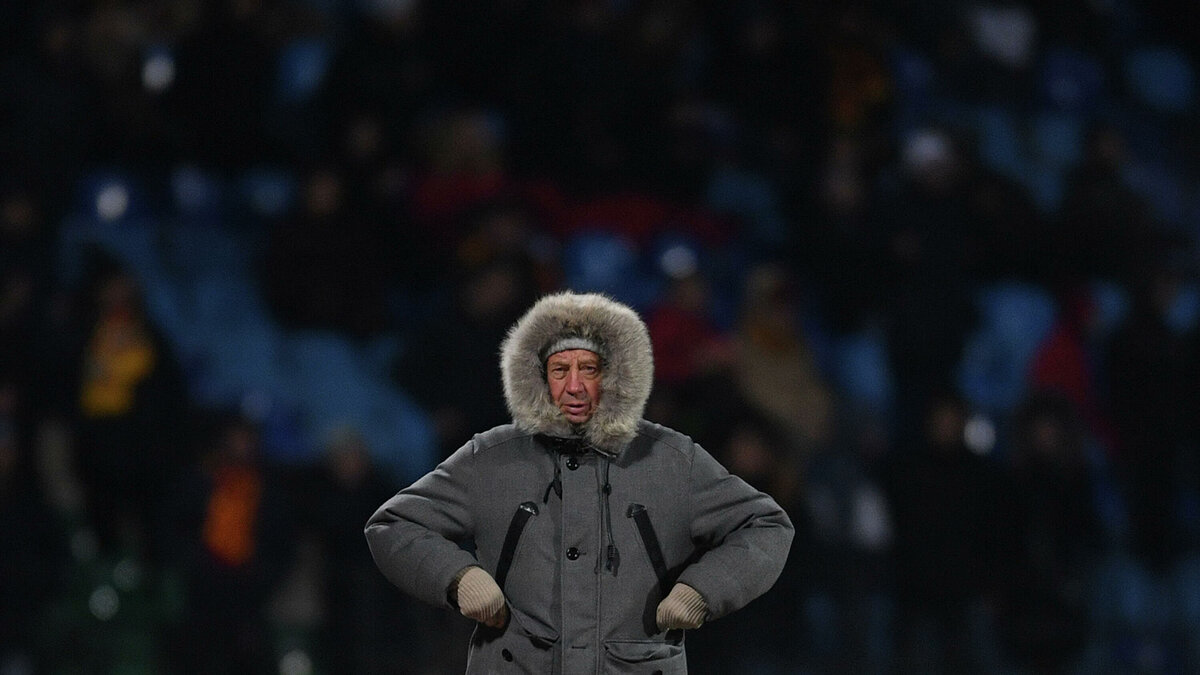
<point x="574" y="381"/>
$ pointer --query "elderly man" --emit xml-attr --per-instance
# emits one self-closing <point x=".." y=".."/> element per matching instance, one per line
<point x="581" y="538"/>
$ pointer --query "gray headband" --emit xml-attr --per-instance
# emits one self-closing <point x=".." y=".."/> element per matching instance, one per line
<point x="562" y="344"/>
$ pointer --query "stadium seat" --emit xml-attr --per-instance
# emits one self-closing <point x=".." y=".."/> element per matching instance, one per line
<point x="608" y="263"/>
<point x="1014" y="319"/>
<point x="1161" y="78"/>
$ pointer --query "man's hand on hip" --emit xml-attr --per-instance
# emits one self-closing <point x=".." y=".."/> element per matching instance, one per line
<point x="480" y="599"/>
<point x="683" y="607"/>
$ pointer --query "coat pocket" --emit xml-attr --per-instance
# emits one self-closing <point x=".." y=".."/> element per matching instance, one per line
<point x="525" y="645"/>
<point x="644" y="656"/>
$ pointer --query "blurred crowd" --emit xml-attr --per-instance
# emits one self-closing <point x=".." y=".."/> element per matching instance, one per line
<point x="924" y="271"/>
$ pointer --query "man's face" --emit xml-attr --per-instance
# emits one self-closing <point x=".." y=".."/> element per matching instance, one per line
<point x="574" y="379"/>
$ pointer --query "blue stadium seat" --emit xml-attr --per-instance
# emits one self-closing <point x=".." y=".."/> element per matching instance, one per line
<point x="1185" y="589"/>
<point x="267" y="192"/>
<point x="1130" y="599"/>
<point x="198" y="194"/>
<point x="1014" y="319"/>
<point x="194" y="249"/>
<point x="1184" y="311"/>
<point x="238" y="360"/>
<point x="301" y="69"/>
<point x="1046" y="184"/>
<point x="1112" y="302"/>
<point x="1058" y="138"/>
<point x="915" y="80"/>
<point x="751" y="198"/>
<point x="608" y="263"/>
<point x="226" y="299"/>
<point x="1161" y="78"/>
<point x="1002" y="144"/>
<point x="1163" y="188"/>
<point x="335" y="386"/>
<point x="861" y="370"/>
<point x="1071" y="81"/>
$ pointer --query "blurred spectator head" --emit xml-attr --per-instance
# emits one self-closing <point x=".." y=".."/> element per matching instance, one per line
<point x="468" y="142"/>
<point x="19" y="217"/>
<point x="1004" y="32"/>
<point x="497" y="291"/>
<point x="843" y="189"/>
<point x="116" y="291"/>
<point x="1047" y="433"/>
<point x="16" y="294"/>
<point x="396" y="15"/>
<point x="237" y="440"/>
<point x="757" y="451"/>
<point x="945" y="423"/>
<point x="690" y="293"/>
<point x="769" y="301"/>
<point x="1106" y="148"/>
<point x="348" y="457"/>
<point x="364" y="138"/>
<point x="751" y="452"/>
<point x="324" y="193"/>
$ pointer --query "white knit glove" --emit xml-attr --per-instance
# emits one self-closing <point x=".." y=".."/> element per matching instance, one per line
<point x="479" y="597"/>
<point x="683" y="607"/>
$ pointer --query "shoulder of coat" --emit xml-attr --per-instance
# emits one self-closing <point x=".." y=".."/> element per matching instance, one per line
<point x="499" y="437"/>
<point x="662" y="436"/>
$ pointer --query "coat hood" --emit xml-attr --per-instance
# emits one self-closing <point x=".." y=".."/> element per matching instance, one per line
<point x="623" y="343"/>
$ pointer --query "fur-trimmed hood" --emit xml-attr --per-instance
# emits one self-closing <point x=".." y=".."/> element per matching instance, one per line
<point x="627" y="363"/>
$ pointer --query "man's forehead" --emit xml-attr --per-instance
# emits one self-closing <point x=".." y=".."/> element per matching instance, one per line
<point x="571" y="355"/>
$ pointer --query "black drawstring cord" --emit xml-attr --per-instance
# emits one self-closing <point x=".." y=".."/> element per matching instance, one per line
<point x="612" y="557"/>
<point x="555" y="483"/>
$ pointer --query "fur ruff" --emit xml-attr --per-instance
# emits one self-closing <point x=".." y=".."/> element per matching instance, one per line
<point x="628" y="370"/>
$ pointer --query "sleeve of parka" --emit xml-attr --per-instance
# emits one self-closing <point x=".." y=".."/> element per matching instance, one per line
<point x="744" y="533"/>
<point x="414" y="535"/>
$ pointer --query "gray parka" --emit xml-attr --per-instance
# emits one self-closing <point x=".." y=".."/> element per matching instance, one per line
<point x="585" y="529"/>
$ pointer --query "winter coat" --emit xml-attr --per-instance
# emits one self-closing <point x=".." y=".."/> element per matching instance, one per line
<point x="585" y="529"/>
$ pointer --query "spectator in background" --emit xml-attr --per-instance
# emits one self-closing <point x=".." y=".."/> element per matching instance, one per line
<point x="1104" y="228"/>
<point x="693" y="367"/>
<point x="929" y="312"/>
<point x="765" y="636"/>
<point x="460" y="344"/>
<point x="26" y="284"/>
<point x="942" y="499"/>
<point x="848" y="563"/>
<point x="847" y="251"/>
<point x="682" y="327"/>
<point x="232" y="539"/>
<point x="368" y="628"/>
<point x="330" y="267"/>
<point x="1151" y="385"/>
<point x="1051" y="537"/>
<point x="129" y="408"/>
<point x="774" y="368"/>
<point x="32" y="541"/>
<point x="1066" y="364"/>
<point x="222" y="87"/>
